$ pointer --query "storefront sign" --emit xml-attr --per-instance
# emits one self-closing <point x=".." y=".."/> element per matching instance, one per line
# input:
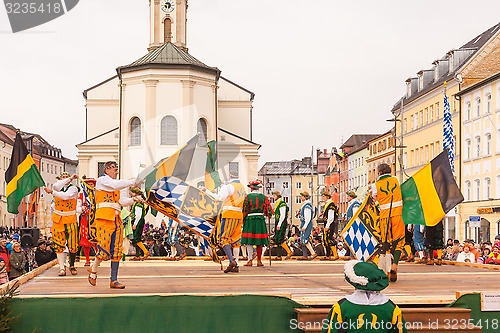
<point x="488" y="210"/>
<point x="490" y="301"/>
<point x="474" y="221"/>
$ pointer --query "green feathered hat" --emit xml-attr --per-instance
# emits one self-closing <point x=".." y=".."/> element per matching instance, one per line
<point x="365" y="275"/>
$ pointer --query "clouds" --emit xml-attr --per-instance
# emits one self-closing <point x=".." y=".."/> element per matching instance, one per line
<point x="321" y="70"/>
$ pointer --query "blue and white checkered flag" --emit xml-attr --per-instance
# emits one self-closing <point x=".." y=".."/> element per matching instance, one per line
<point x="357" y="233"/>
<point x="448" y="141"/>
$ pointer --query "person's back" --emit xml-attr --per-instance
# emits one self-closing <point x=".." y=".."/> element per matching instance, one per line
<point x="366" y="310"/>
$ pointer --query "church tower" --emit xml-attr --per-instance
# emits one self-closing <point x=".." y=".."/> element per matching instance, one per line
<point x="167" y="19"/>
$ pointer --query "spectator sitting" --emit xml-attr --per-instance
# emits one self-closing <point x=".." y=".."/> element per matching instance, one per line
<point x="340" y="250"/>
<point x="17" y="261"/>
<point x="5" y="253"/>
<point x="318" y="247"/>
<point x="450" y="254"/>
<point x="497" y="240"/>
<point x="4" y="277"/>
<point x="449" y="242"/>
<point x="473" y="249"/>
<point x="486" y="253"/>
<point x="43" y="254"/>
<point x="466" y="255"/>
<point x="494" y="257"/>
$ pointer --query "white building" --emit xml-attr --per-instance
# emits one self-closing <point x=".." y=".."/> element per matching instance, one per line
<point x="157" y="103"/>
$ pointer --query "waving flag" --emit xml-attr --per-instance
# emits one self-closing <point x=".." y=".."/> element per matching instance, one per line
<point x="448" y="142"/>
<point x="187" y="205"/>
<point x="89" y="195"/>
<point x="22" y="176"/>
<point x="361" y="234"/>
<point x="430" y="193"/>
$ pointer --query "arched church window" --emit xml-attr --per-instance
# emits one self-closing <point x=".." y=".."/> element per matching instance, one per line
<point x="135" y="132"/>
<point x="167" y="30"/>
<point x="168" y="131"/>
<point x="202" y="129"/>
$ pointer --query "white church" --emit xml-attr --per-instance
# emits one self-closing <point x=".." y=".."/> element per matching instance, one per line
<point x="157" y="103"/>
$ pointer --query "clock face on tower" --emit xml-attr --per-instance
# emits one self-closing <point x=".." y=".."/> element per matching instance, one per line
<point x="167" y="6"/>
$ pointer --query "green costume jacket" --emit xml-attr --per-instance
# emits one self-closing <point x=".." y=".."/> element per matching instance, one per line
<point x="256" y="208"/>
<point x="280" y="235"/>
<point x="138" y="221"/>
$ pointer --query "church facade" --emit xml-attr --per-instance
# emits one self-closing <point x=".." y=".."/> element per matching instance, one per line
<point x="155" y="104"/>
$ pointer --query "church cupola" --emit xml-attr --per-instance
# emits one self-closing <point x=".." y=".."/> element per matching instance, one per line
<point x="167" y="19"/>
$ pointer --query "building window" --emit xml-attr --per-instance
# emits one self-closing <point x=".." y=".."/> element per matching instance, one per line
<point x="405" y="160"/>
<point x="478" y="146"/>
<point x="135" y="132"/>
<point x="412" y="122"/>
<point x="478" y="107"/>
<point x="413" y="158"/>
<point x="488" y="104"/>
<point x="467" y="149"/>
<point x="437" y="110"/>
<point x="298" y="185"/>
<point x="168" y="131"/>
<point x="426" y="153"/>
<point x="432" y="150"/>
<point x="477" y="189"/>
<point x="432" y="112"/>
<point x="422" y="155"/>
<point x="498" y="186"/>
<point x="297" y="199"/>
<point x="271" y="185"/>
<point x="426" y="115"/>
<point x="406" y="125"/>
<point x="202" y="129"/>
<point x="167" y="30"/>
<point x="488" y="144"/>
<point x="100" y="169"/>
<point x="234" y="169"/>
<point x="468" y="115"/>
<point x="285" y="199"/>
<point x="285" y="184"/>
<point x="487" y="188"/>
<point x="467" y="190"/>
<point x="310" y="185"/>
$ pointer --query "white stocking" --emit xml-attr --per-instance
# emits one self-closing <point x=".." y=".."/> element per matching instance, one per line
<point x="250" y="251"/>
<point x="236" y="254"/>
<point x="310" y="248"/>
<point x="94" y="267"/>
<point x="61" y="258"/>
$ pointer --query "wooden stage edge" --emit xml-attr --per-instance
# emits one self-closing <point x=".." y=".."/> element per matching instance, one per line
<point x="436" y="300"/>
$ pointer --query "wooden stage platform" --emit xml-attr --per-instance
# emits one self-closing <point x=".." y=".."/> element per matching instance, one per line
<point x="314" y="283"/>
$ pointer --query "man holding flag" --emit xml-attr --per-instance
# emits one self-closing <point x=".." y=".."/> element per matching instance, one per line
<point x="65" y="221"/>
<point x="387" y="192"/>
<point x="111" y="194"/>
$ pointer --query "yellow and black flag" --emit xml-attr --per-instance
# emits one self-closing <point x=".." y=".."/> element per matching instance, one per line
<point x="430" y="193"/>
<point x="22" y="176"/>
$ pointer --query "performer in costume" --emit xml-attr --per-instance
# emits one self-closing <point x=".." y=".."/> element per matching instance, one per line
<point x="419" y="242"/>
<point x="110" y="194"/>
<point x="256" y="208"/>
<point x="138" y="219"/>
<point x="173" y="241"/>
<point x="330" y="214"/>
<point x="434" y="240"/>
<point x="387" y="192"/>
<point x="366" y="310"/>
<point x="65" y="221"/>
<point x="83" y="210"/>
<point x="353" y="205"/>
<point x="281" y="217"/>
<point x="409" y="246"/>
<point x="231" y="221"/>
<point x="306" y="216"/>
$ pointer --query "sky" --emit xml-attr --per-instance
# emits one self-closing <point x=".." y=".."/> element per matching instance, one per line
<point x="320" y="70"/>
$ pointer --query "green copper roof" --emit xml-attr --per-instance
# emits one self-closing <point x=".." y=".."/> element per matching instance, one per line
<point x="168" y="54"/>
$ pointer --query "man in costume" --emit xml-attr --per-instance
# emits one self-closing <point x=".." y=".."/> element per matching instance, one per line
<point x="329" y="215"/>
<point x="306" y="225"/>
<point x="434" y="240"/>
<point x="111" y="194"/>
<point x="256" y="208"/>
<point x="173" y="241"/>
<point x="419" y="243"/>
<point x="387" y="192"/>
<point x="138" y="218"/>
<point x="83" y="209"/>
<point x="366" y="310"/>
<point x="353" y="205"/>
<point x="281" y="222"/>
<point x="231" y="220"/>
<point x="409" y="246"/>
<point x="65" y="221"/>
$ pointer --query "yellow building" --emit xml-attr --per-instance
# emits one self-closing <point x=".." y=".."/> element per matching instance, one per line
<point x="420" y="116"/>
<point x="381" y="150"/>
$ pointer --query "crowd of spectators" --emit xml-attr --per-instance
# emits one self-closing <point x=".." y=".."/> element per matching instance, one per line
<point x="470" y="251"/>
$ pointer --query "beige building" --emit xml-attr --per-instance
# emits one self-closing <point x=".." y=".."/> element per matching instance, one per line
<point x="420" y="114"/>
<point x="381" y="150"/>
<point x="480" y="212"/>
<point x="157" y="103"/>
